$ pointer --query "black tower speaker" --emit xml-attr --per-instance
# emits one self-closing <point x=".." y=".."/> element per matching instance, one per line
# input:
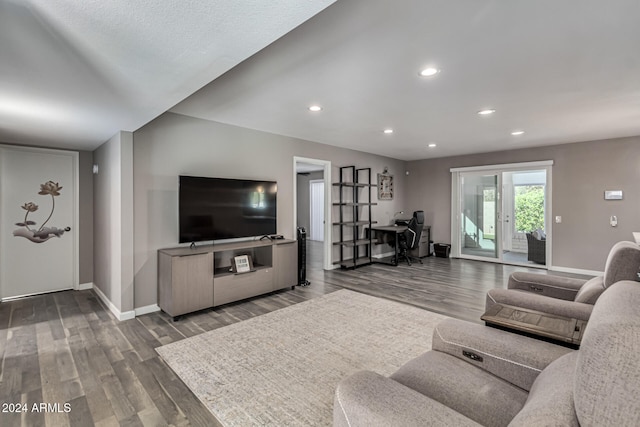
<point x="302" y="257"/>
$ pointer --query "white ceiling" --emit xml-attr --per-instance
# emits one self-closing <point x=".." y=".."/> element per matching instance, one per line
<point x="74" y="73"/>
<point x="562" y="71"/>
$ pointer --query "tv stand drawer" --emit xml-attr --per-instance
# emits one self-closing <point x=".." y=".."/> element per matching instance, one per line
<point x="234" y="287"/>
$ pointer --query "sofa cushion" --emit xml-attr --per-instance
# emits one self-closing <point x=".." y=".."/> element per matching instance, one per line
<point x="550" y="400"/>
<point x="463" y="387"/>
<point x="623" y="263"/>
<point x="559" y="307"/>
<point x="607" y="383"/>
<point x="591" y="291"/>
<point x="539" y="234"/>
<point x="514" y="358"/>
<point x="546" y="284"/>
<point x="369" y="399"/>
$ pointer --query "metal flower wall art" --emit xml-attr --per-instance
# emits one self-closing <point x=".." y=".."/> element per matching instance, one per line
<point x="28" y="228"/>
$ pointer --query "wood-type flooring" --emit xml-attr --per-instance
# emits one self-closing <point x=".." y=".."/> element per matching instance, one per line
<point x="65" y="360"/>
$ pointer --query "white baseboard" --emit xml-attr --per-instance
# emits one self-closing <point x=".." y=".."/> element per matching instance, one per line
<point x="116" y="312"/>
<point x="119" y="315"/>
<point x="85" y="286"/>
<point x="576" y="271"/>
<point x="147" y="309"/>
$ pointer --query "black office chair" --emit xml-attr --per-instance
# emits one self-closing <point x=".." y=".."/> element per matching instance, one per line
<point x="410" y="239"/>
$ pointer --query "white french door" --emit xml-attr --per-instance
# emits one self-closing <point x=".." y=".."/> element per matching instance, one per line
<point x="487" y="202"/>
<point x="38" y="221"/>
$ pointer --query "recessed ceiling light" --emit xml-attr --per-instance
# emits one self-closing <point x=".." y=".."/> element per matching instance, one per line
<point x="433" y="144"/>
<point x="428" y="72"/>
<point x="486" y="112"/>
<point x="388" y="131"/>
<point x="315" y="108"/>
<point x="517" y="132"/>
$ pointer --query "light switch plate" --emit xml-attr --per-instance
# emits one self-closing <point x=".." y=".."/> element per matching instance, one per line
<point x="613" y="195"/>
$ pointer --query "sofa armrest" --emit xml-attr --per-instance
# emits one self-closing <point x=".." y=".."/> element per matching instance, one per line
<point x="369" y="399"/>
<point x="514" y="358"/>
<point x="559" y="287"/>
<point x="527" y="300"/>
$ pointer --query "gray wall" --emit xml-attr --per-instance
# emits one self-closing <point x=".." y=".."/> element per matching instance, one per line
<point x="581" y="173"/>
<point x="113" y="221"/>
<point x="85" y="160"/>
<point x="174" y="144"/>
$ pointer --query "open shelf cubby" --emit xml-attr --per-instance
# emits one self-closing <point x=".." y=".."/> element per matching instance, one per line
<point x="261" y="257"/>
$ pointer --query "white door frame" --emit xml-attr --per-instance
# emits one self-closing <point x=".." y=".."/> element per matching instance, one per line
<point x="499" y="168"/>
<point x="507" y="209"/>
<point x="326" y="164"/>
<point x="75" y="235"/>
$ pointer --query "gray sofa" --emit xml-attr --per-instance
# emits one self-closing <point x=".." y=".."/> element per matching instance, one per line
<point x="564" y="296"/>
<point x="476" y="375"/>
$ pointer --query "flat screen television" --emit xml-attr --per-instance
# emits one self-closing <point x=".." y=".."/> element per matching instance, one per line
<point x="221" y="208"/>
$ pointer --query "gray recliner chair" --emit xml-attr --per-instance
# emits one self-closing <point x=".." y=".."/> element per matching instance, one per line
<point x="475" y="375"/>
<point x="563" y="296"/>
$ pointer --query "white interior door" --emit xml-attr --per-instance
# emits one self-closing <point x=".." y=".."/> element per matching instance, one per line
<point x="38" y="221"/>
<point x="316" y="210"/>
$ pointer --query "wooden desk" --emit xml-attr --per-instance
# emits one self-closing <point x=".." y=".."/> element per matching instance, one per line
<point x="388" y="234"/>
<point x="546" y="325"/>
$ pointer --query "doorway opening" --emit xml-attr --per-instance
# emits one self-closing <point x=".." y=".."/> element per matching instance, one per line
<point x="501" y="213"/>
<point x="312" y="208"/>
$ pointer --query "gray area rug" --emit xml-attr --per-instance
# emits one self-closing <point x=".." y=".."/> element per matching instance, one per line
<point x="282" y="368"/>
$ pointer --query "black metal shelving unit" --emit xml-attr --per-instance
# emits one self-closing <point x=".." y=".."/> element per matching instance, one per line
<point x="354" y="205"/>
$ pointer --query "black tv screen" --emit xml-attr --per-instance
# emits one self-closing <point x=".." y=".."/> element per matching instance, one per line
<point x="220" y="208"/>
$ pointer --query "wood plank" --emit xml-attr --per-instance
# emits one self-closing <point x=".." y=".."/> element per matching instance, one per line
<point x="52" y="390"/>
<point x="30" y="366"/>
<point x="140" y="338"/>
<point x="96" y="398"/>
<point x="181" y="394"/>
<point x="31" y="418"/>
<point x="122" y="408"/>
<point x="133" y="389"/>
<point x="151" y="417"/>
<point x="80" y="411"/>
<point x="155" y="388"/>
<point x="53" y="318"/>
